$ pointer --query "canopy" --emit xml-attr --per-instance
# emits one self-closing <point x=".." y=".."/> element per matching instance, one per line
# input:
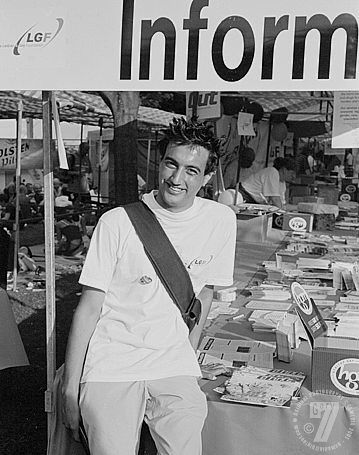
<point x="76" y="107"/>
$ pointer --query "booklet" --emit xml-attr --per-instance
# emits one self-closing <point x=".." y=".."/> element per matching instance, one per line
<point x="262" y="386"/>
<point x="235" y="353"/>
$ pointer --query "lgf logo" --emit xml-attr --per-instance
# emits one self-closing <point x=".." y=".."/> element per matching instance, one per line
<point x="38" y="37"/>
<point x="345" y="376"/>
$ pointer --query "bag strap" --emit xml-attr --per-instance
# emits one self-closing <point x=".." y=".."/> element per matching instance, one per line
<point x="165" y="260"/>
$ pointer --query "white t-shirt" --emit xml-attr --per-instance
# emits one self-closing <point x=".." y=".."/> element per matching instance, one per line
<point x="141" y="334"/>
<point x="264" y="182"/>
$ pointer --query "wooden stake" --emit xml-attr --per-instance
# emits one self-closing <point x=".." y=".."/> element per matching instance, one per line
<point x="49" y="252"/>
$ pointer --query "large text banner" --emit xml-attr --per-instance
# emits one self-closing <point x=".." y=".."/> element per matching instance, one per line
<point x="189" y="45"/>
<point x="31" y="154"/>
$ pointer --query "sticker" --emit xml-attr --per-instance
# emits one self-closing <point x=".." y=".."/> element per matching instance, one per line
<point x="297" y="223"/>
<point x="301" y="298"/>
<point x="345" y="376"/>
<point x="350" y="188"/>
<point x="345" y="197"/>
<point x="145" y="279"/>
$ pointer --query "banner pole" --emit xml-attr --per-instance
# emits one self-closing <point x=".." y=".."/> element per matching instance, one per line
<point x="16" y="226"/>
<point x="49" y="253"/>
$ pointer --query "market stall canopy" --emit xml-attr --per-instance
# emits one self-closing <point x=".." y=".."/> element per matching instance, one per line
<point x="77" y="107"/>
<point x="301" y="105"/>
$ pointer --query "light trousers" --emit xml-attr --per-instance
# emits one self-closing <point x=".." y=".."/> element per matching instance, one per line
<point x="174" y="409"/>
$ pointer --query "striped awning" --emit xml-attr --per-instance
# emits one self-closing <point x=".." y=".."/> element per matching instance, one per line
<point x="77" y="107"/>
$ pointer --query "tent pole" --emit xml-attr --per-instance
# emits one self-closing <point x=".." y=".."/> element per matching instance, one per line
<point x="148" y="163"/>
<point x="268" y="140"/>
<point x="49" y="253"/>
<point x="238" y="170"/>
<point x="17" y="186"/>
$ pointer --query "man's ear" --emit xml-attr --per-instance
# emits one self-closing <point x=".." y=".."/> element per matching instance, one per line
<point x="208" y="177"/>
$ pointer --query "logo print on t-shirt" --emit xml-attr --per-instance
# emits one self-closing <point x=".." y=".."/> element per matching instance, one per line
<point x="145" y="279"/>
<point x="199" y="262"/>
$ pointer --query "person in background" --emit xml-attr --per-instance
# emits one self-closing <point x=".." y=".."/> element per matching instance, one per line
<point x="10" y="192"/>
<point x="130" y="356"/>
<point x="25" y="205"/>
<point x="57" y="184"/>
<point x="266" y="186"/>
<point x="29" y="189"/>
<point x="304" y="164"/>
<point x="348" y="163"/>
<point x="69" y="234"/>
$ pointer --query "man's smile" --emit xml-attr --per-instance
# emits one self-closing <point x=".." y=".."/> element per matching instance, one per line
<point x="173" y="189"/>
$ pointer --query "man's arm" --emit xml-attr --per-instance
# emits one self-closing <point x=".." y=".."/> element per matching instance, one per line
<point x="276" y="200"/>
<point x="206" y="297"/>
<point x="82" y="328"/>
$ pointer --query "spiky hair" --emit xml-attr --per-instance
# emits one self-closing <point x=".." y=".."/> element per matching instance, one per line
<point x="191" y="132"/>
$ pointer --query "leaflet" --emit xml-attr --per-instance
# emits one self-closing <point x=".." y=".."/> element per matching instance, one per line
<point x="261" y="386"/>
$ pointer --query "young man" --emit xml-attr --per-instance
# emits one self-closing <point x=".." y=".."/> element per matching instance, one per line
<point x="130" y="357"/>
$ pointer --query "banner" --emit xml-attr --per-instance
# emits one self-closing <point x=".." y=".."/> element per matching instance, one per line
<point x="31" y="154"/>
<point x="172" y="45"/>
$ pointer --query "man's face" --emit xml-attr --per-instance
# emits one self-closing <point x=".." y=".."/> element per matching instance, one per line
<point x="181" y="175"/>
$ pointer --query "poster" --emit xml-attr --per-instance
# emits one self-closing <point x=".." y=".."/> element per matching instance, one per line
<point x="345" y="132"/>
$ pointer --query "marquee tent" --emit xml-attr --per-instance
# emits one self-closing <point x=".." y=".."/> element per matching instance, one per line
<point x="76" y="107"/>
<point x="88" y="107"/>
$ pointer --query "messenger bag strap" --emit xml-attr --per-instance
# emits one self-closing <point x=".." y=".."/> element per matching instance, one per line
<point x="165" y="260"/>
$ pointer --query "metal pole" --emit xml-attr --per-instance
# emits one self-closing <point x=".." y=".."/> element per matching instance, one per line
<point x="269" y="140"/>
<point x="155" y="183"/>
<point x="238" y="170"/>
<point x="148" y="164"/>
<point x="80" y="159"/>
<point x="16" y="226"/>
<point x="49" y="253"/>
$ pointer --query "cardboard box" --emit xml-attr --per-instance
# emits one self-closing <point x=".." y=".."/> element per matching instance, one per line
<point x="298" y="222"/>
<point x="329" y="193"/>
<point x="335" y="366"/>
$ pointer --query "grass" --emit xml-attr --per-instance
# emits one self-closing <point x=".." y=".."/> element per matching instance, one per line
<point x="23" y="429"/>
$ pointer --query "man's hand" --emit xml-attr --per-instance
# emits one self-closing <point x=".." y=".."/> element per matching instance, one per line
<point x="71" y="413"/>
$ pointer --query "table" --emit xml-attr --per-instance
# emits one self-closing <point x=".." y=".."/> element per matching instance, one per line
<point x="237" y="429"/>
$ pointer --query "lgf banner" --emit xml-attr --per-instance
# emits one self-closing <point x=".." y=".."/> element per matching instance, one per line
<point x="189" y="45"/>
<point x="31" y="154"/>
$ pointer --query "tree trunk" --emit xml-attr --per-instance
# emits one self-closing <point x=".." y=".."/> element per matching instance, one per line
<point x="124" y="107"/>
